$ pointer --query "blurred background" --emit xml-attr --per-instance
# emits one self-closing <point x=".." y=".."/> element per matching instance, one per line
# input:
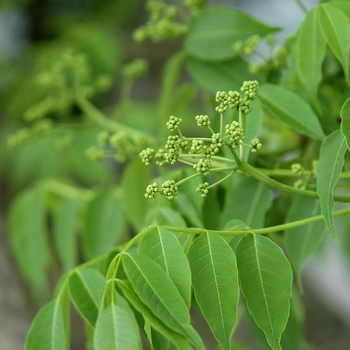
<point x="32" y="34"/>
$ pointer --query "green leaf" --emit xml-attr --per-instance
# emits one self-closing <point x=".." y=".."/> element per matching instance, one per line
<point x="28" y="238"/>
<point x="336" y="28"/>
<point x="215" y="29"/>
<point x="293" y="337"/>
<point x="184" y="206"/>
<point x="47" y="331"/>
<point x="291" y="110"/>
<point x="215" y="283"/>
<point x="116" y="328"/>
<point x="176" y="338"/>
<point x="311" y="50"/>
<point x="170" y="78"/>
<point x="104" y="223"/>
<point x="249" y="202"/>
<point x="342" y="5"/>
<point x="156" y="340"/>
<point x="218" y="76"/>
<point x="302" y="241"/>
<point x="158" y="292"/>
<point x="64" y="227"/>
<point x="266" y="281"/>
<point x="85" y="287"/>
<point x="164" y="248"/>
<point x="135" y="180"/>
<point x="345" y="121"/>
<point x="329" y="168"/>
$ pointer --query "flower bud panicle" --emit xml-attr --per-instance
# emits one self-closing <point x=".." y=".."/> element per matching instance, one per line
<point x="94" y="153"/>
<point x="203" y="166"/>
<point x="135" y="69"/>
<point x="152" y="191"/>
<point x="202" y="120"/>
<point x="173" y="123"/>
<point x="147" y="155"/>
<point x="250" y="89"/>
<point x="169" y="189"/>
<point x="160" y="157"/>
<point x="255" y="145"/>
<point x="202" y="189"/>
<point x="103" y="138"/>
<point x="235" y="132"/>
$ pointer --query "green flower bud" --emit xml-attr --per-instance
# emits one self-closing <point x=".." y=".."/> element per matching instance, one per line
<point x="152" y="191"/>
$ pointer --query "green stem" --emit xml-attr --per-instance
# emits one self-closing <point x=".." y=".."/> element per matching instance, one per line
<point x="65" y="190"/>
<point x="259" y="231"/>
<point x="240" y="121"/>
<point x="301" y="5"/>
<point x="100" y="119"/>
<point x="187" y="178"/>
<point x="290" y="173"/>
<point x="221" y="180"/>
<point x="248" y="169"/>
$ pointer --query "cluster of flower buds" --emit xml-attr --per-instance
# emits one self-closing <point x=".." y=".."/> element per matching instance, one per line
<point x="162" y="24"/>
<point x="203" y="152"/>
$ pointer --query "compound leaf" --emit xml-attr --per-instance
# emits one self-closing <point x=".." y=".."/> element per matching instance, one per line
<point x="116" y="328"/>
<point x="219" y="28"/>
<point x="329" y="168"/>
<point x="215" y="283"/>
<point x="266" y="281"/>
<point x="302" y="241"/>
<point x="47" y="331"/>
<point x="291" y="110"/>
<point x="85" y="287"/>
<point x="164" y="248"/>
<point x="154" y="287"/>
<point x="336" y="28"/>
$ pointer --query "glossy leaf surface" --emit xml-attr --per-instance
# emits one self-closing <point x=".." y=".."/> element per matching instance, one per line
<point x="302" y="241"/>
<point x="218" y="76"/>
<point x="266" y="281"/>
<point x="311" y="50"/>
<point x="47" y="331"/>
<point x="329" y="168"/>
<point x="250" y="201"/>
<point x="85" y="287"/>
<point x="215" y="29"/>
<point x="158" y="292"/>
<point x="176" y="338"/>
<point x="215" y="283"/>
<point x="336" y="28"/>
<point x="291" y="110"/>
<point x="117" y="329"/>
<point x="164" y="248"/>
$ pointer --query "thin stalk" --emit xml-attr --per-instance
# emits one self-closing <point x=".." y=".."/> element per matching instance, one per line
<point x="301" y="5"/>
<point x="100" y="119"/>
<point x="248" y="169"/>
<point x="259" y="231"/>
<point x="240" y="121"/>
